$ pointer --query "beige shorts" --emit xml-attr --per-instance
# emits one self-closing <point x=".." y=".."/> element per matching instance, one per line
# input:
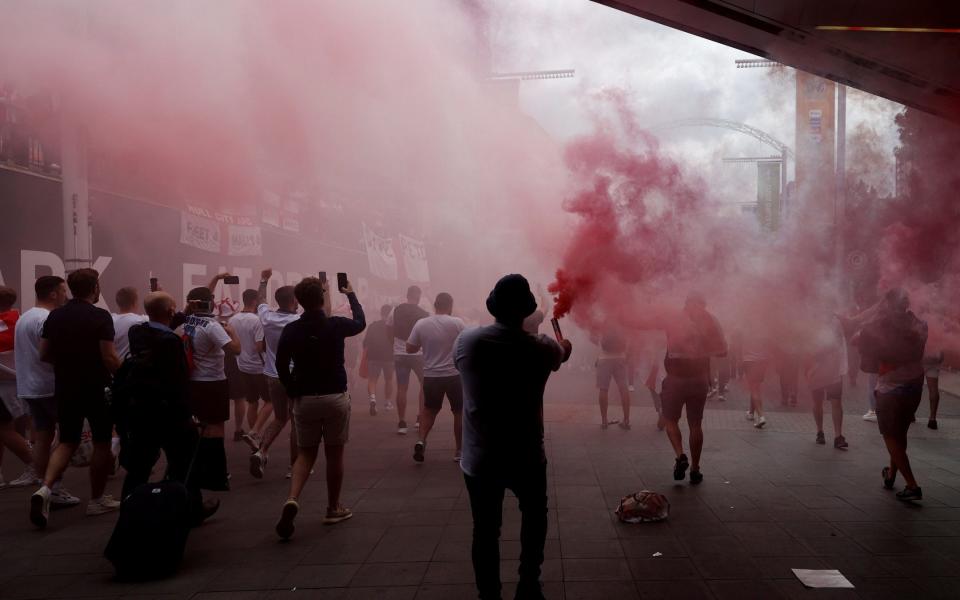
<point x="322" y="419"/>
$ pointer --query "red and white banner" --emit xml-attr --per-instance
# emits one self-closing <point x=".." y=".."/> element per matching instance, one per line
<point x="415" y="259"/>
<point x="380" y="254"/>
<point x="244" y="241"/>
<point x="199" y="232"/>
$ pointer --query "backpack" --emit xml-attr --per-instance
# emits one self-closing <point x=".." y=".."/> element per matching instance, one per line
<point x="643" y="507"/>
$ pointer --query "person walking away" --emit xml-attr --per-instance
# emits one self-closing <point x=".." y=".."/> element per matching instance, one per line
<point x="435" y="336"/>
<point x="755" y="363"/>
<point x="208" y="343"/>
<point x="224" y="311"/>
<point x="378" y="351"/>
<point x="77" y="339"/>
<point x="399" y="325"/>
<point x="151" y="403"/>
<point x="825" y="372"/>
<point x="693" y="337"/>
<point x="273" y="322"/>
<point x="127" y="299"/>
<point x="35" y="384"/>
<point x="250" y="364"/>
<point x="612" y="365"/>
<point x="897" y="340"/>
<point x="504" y="371"/>
<point x="931" y="367"/>
<point x="318" y="386"/>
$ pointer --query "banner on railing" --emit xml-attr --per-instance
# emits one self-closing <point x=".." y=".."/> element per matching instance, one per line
<point x="199" y="232"/>
<point x="380" y="254"/>
<point x="415" y="259"/>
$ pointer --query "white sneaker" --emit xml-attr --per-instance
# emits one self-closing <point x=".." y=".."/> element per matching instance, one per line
<point x="62" y="497"/>
<point x="760" y="422"/>
<point x="631" y="388"/>
<point x="102" y="505"/>
<point x="388" y="405"/>
<point x="749" y="415"/>
<point x="258" y="464"/>
<point x="29" y="477"/>
<point x="870" y="416"/>
<point x="40" y="507"/>
<point x="373" y="407"/>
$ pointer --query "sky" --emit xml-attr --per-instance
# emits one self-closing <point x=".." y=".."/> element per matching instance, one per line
<point x="670" y="75"/>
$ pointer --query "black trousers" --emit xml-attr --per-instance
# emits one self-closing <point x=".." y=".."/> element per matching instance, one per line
<point x="486" y="502"/>
<point x="140" y="447"/>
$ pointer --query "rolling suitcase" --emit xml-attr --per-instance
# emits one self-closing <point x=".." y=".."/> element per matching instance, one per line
<point x="151" y="531"/>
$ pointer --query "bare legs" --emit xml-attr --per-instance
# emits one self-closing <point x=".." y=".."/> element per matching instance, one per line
<point x="897" y="448"/>
<point x="100" y="465"/>
<point x="696" y="440"/>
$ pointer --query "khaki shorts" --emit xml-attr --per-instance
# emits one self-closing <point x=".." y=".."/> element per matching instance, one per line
<point x="322" y="419"/>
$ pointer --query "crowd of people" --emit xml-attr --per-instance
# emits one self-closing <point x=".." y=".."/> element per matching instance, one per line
<point x="164" y="381"/>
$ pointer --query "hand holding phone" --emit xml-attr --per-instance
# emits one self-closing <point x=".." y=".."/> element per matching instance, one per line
<point x="154" y="284"/>
<point x="231" y="280"/>
<point x="342" y="284"/>
<point x="323" y="276"/>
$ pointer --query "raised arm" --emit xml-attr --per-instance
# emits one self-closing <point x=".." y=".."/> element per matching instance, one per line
<point x="265" y="276"/>
<point x="212" y="286"/>
<point x="358" y="323"/>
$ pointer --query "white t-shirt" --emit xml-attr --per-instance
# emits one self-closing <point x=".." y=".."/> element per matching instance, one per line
<point x="121" y="326"/>
<point x="207" y="338"/>
<point x="436" y="336"/>
<point x="273" y="322"/>
<point x="249" y="331"/>
<point x="34" y="377"/>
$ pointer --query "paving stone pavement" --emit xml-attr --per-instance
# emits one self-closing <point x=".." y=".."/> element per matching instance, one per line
<point x="772" y="501"/>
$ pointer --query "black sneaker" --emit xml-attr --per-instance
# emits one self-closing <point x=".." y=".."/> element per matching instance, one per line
<point x="680" y="467"/>
<point x="696" y="477"/>
<point x="887" y="480"/>
<point x="418" y="449"/>
<point x="932" y="424"/>
<point x="285" y="526"/>
<point x="821" y="439"/>
<point x="910" y="494"/>
<point x="840" y="443"/>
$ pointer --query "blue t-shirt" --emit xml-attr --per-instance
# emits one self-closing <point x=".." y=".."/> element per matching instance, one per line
<point x="504" y="372"/>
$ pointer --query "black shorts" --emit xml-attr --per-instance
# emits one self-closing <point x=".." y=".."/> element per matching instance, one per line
<point x="896" y="410"/>
<point x="834" y="391"/>
<point x="678" y="392"/>
<point x="210" y="401"/>
<point x="255" y="387"/>
<point x="434" y="388"/>
<point x="78" y="403"/>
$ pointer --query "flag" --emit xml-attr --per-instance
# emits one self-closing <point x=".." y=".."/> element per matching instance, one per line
<point x="380" y="255"/>
<point x="415" y="259"/>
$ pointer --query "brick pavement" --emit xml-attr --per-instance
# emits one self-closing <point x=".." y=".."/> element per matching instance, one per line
<point x="772" y="501"/>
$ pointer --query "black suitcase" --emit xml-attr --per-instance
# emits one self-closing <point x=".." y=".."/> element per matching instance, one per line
<point x="151" y="531"/>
